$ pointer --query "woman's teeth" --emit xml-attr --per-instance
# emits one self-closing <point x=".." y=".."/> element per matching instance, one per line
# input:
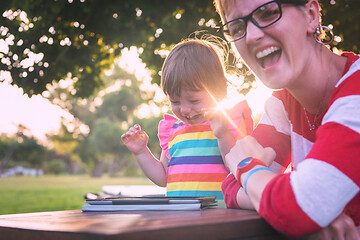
<point x="267" y="52"/>
<point x="268" y="56"/>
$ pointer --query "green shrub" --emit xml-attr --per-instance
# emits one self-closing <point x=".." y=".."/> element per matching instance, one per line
<point x="56" y="166"/>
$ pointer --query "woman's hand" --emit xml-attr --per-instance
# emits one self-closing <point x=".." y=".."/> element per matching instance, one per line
<point x="342" y="228"/>
<point x="135" y="139"/>
<point x="248" y="147"/>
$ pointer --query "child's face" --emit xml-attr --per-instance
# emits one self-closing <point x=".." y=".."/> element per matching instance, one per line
<point x="189" y="106"/>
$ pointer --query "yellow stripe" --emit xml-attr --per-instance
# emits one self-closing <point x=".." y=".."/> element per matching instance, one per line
<point x="194" y="186"/>
<point x="192" y="136"/>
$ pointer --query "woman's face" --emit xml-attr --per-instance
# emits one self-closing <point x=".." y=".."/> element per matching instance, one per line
<point x="277" y="53"/>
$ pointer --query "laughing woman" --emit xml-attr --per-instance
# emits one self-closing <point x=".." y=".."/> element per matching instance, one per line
<point x="311" y="123"/>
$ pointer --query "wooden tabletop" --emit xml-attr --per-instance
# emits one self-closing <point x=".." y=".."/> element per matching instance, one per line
<point x="206" y="224"/>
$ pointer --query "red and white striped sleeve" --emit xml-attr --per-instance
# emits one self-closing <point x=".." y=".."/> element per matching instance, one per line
<point x="327" y="182"/>
<point x="274" y="130"/>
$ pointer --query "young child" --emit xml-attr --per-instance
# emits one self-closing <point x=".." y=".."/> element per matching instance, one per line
<point x="196" y="140"/>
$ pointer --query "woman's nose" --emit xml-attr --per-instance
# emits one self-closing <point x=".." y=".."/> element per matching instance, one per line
<point x="253" y="33"/>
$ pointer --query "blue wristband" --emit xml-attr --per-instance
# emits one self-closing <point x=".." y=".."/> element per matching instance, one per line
<point x="252" y="172"/>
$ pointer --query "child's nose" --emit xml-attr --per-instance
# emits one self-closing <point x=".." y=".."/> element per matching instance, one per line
<point x="185" y="110"/>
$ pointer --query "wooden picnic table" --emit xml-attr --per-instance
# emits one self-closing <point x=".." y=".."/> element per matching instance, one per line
<point x="218" y="223"/>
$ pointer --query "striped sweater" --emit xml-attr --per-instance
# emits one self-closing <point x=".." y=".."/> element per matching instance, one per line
<point x="326" y="162"/>
<point x="195" y="166"/>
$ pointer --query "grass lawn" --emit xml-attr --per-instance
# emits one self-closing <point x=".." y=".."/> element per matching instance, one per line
<point x="52" y="193"/>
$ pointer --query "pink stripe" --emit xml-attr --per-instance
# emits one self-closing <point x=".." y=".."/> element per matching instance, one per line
<point x="197" y="168"/>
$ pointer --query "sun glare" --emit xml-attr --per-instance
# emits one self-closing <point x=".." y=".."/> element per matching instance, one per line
<point x="256" y="99"/>
<point x="36" y="113"/>
<point x="42" y="117"/>
<point x="222" y="107"/>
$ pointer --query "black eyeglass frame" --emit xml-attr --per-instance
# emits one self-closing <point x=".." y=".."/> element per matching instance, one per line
<point x="249" y="17"/>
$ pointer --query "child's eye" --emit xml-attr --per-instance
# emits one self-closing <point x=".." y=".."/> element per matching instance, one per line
<point x="174" y="102"/>
<point x="195" y="101"/>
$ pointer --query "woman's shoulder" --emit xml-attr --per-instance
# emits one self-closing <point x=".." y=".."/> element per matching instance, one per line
<point x="352" y="69"/>
<point x="349" y="83"/>
<point x="282" y="100"/>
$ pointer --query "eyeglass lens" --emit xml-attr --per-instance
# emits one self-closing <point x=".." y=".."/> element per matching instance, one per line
<point x="262" y="17"/>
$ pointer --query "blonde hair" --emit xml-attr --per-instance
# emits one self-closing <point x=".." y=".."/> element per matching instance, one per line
<point x="194" y="64"/>
<point x="220" y="7"/>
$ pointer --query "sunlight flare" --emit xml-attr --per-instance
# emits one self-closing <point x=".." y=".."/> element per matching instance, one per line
<point x="222" y="107"/>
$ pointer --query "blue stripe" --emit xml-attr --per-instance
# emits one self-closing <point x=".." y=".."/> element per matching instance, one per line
<point x="193" y="144"/>
<point x="196" y="143"/>
<point x="217" y="194"/>
<point x="204" y="151"/>
<point x="196" y="160"/>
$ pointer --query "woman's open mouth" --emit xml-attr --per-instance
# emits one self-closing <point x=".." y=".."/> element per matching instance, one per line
<point x="268" y="56"/>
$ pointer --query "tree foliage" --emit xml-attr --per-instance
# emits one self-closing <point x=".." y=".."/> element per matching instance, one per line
<point x="345" y="18"/>
<point x="106" y="116"/>
<point x="49" y="40"/>
<point x="83" y="37"/>
<point x="21" y="149"/>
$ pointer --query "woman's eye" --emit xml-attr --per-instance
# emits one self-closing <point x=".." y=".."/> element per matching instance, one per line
<point x="194" y="101"/>
<point x="237" y="28"/>
<point x="269" y="14"/>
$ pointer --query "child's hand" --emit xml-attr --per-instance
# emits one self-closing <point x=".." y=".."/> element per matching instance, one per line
<point x="135" y="139"/>
<point x="218" y="121"/>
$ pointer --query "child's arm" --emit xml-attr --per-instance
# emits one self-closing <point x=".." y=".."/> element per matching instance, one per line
<point x="136" y="141"/>
<point x="225" y="141"/>
<point x="220" y="126"/>
<point x="153" y="168"/>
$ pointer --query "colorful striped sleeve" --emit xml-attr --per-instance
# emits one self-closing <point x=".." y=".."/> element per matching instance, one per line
<point x="164" y="128"/>
<point x="241" y="123"/>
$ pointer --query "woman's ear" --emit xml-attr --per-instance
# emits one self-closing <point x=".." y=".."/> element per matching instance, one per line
<point x="312" y="9"/>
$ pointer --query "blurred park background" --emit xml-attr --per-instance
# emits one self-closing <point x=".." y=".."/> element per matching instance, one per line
<point x="75" y="74"/>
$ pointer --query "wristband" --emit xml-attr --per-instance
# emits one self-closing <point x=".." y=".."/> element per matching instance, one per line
<point x="252" y="172"/>
<point x="247" y="164"/>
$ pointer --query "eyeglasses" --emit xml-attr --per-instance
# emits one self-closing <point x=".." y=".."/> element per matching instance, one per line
<point x="262" y="17"/>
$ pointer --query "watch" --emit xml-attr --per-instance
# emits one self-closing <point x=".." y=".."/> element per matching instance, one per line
<point x="247" y="164"/>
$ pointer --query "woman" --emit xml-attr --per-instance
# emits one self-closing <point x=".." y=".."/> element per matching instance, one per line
<point x="312" y="124"/>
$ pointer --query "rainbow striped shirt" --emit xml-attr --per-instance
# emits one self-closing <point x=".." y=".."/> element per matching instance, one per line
<point x="196" y="167"/>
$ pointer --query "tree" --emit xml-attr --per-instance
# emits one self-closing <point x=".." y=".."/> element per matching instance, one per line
<point x="21" y="149"/>
<point x="344" y="16"/>
<point x="62" y="158"/>
<point x="45" y="41"/>
<point x="105" y="117"/>
<point x="83" y="37"/>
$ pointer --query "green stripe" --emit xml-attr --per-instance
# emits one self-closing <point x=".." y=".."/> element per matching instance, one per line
<point x="204" y="151"/>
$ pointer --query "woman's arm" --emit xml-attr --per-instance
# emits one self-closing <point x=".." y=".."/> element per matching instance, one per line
<point x="342" y="228"/>
<point x="244" y="148"/>
<point x="285" y="200"/>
